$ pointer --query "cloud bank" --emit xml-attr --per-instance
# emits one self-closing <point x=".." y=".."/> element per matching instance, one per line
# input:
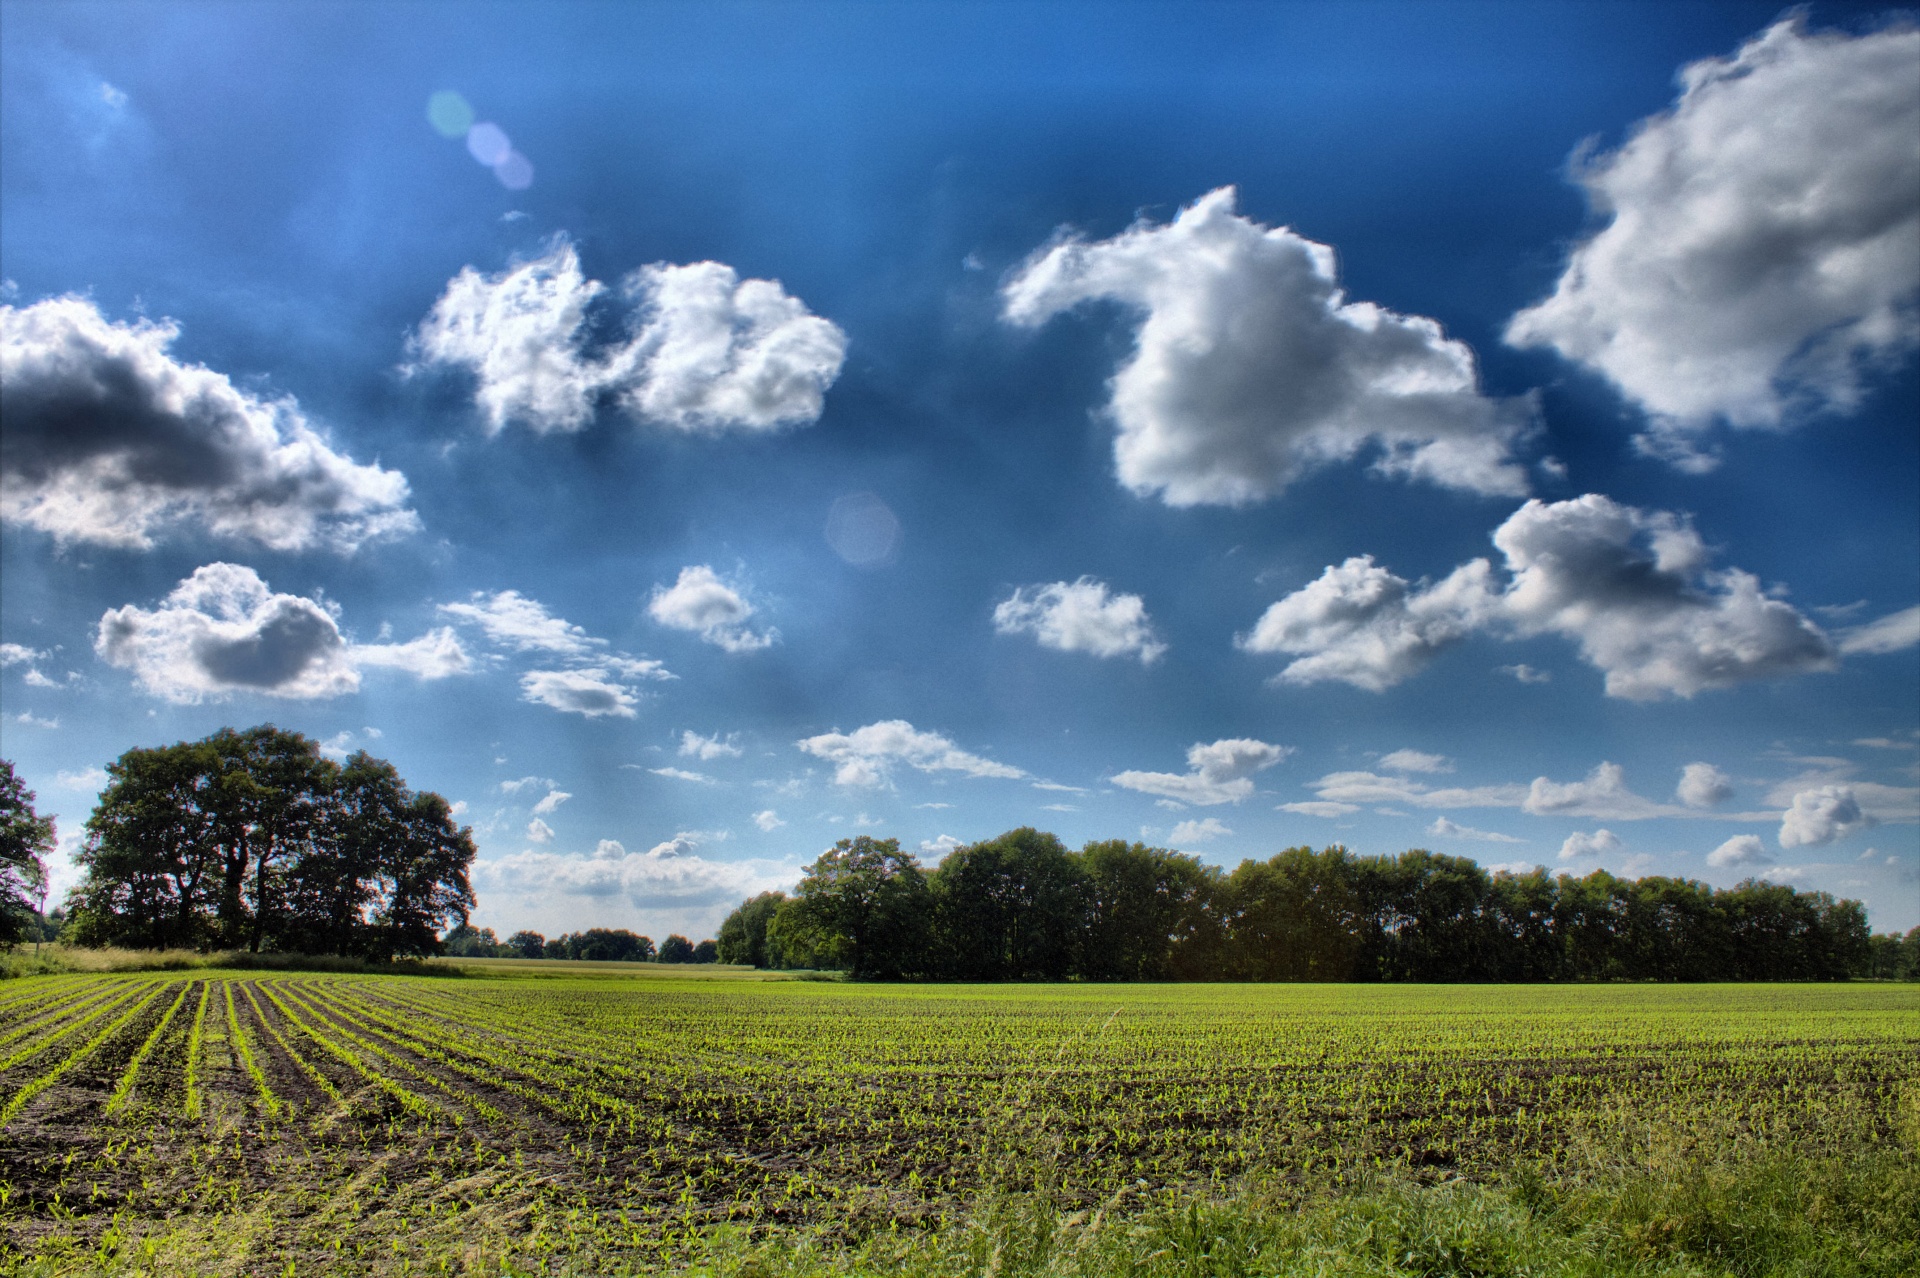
<point x="109" y="440"/>
<point x="1632" y="588"/>
<point x="223" y="630"/>
<point x="1763" y="241"/>
<point x="1251" y="367"/>
<point x="701" y="352"/>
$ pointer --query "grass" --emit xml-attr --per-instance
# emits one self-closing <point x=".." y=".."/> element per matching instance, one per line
<point x="737" y="1128"/>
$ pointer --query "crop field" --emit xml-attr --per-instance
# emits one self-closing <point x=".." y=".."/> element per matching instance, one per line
<point x="348" y="1122"/>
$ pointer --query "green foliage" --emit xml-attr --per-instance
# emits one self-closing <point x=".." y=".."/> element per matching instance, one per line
<point x="25" y="840"/>
<point x="255" y="840"/>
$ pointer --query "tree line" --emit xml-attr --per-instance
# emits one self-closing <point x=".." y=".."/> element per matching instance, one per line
<point x="254" y="840"/>
<point x="1024" y="907"/>
<point x="595" y="945"/>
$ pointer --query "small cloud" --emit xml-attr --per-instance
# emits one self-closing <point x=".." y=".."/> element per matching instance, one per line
<point x="695" y="746"/>
<point x="1742" y="849"/>
<point x="1199" y="831"/>
<point x="939" y="847"/>
<point x="681" y="774"/>
<point x="1581" y="845"/>
<point x="1221" y="772"/>
<point x="1319" y="808"/>
<point x="866" y="756"/>
<point x="89" y="779"/>
<point x="1703" y="786"/>
<point x="33" y="721"/>
<point x="539" y="831"/>
<point x="768" y="820"/>
<point x="1081" y="616"/>
<point x="14" y="654"/>
<point x="1058" y="807"/>
<point x="1445" y="829"/>
<point x="526" y="783"/>
<point x="1525" y="673"/>
<point x="551" y="804"/>
<point x="1063" y="789"/>
<point x="1416" y="761"/>
<point x="699" y="601"/>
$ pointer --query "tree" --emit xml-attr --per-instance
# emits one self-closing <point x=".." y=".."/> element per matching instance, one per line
<point x="602" y="945"/>
<point x="1009" y="908"/>
<point x="743" y="936"/>
<point x="1140" y="904"/>
<point x="676" y="949"/>
<point x="1299" y="916"/>
<point x="25" y="840"/>
<point x="862" y="904"/>
<point x="706" y="952"/>
<point x="253" y="839"/>
<point x="526" y="945"/>
<point x="465" y="941"/>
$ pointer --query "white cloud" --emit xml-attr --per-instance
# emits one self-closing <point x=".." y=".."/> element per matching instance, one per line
<point x="1218" y="773"/>
<point x="1763" y="239"/>
<point x="669" y="887"/>
<point x="551" y="804"/>
<point x="1056" y="786"/>
<point x="1198" y="831"/>
<point x="701" y="602"/>
<point x="1362" y="625"/>
<point x="434" y="655"/>
<point x="938" y="847"/>
<point x="1081" y="616"/>
<point x="1631" y="587"/>
<point x="1892" y="633"/>
<point x="1821" y="815"/>
<point x="14" y="654"/>
<point x="112" y="441"/>
<point x="1415" y="761"/>
<point x="1324" y="808"/>
<point x="1578" y="844"/>
<point x="539" y="831"/>
<point x="1371" y="787"/>
<point x="1703" y="786"/>
<point x="1741" y="849"/>
<point x="527" y="783"/>
<point x="1525" y="673"/>
<point x="701" y="351"/>
<point x="768" y="820"/>
<point x="695" y="746"/>
<point x="1251" y="367"/>
<point x="222" y="630"/>
<point x="1602" y="794"/>
<point x="511" y="620"/>
<point x="866" y="756"/>
<point x="1445" y="829"/>
<point x="87" y="779"/>
<point x="681" y="774"/>
<point x="590" y="690"/>
<point x="31" y="720"/>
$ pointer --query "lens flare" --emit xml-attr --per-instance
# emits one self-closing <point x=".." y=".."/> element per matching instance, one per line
<point x="488" y="143"/>
<point x="515" y="172"/>
<point x="862" y="529"/>
<point x="449" y="114"/>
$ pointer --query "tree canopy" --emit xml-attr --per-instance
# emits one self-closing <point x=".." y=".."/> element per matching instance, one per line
<point x="25" y="839"/>
<point x="255" y="840"/>
<point x="1023" y="907"/>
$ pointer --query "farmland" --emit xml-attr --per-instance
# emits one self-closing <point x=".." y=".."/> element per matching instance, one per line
<point x="243" y="1120"/>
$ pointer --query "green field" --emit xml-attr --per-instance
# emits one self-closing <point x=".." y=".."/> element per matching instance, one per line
<point x="234" y="1121"/>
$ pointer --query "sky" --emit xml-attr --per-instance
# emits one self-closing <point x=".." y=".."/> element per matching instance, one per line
<point x="688" y="435"/>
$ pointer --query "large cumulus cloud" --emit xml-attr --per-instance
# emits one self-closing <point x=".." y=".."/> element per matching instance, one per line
<point x="111" y="440"/>
<point x="1633" y="588"/>
<point x="1763" y="238"/>
<point x="1252" y="367"/>
<point x="702" y="350"/>
<point x="223" y="630"/>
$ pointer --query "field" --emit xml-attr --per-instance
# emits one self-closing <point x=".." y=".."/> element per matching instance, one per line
<point x="289" y="1122"/>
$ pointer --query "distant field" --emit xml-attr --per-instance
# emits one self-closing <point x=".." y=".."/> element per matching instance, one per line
<point x="379" y="1121"/>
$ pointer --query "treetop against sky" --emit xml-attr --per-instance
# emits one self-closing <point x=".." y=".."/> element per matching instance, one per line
<point x="685" y="436"/>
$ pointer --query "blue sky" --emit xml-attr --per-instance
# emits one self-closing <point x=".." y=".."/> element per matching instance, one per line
<point x="1483" y="427"/>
